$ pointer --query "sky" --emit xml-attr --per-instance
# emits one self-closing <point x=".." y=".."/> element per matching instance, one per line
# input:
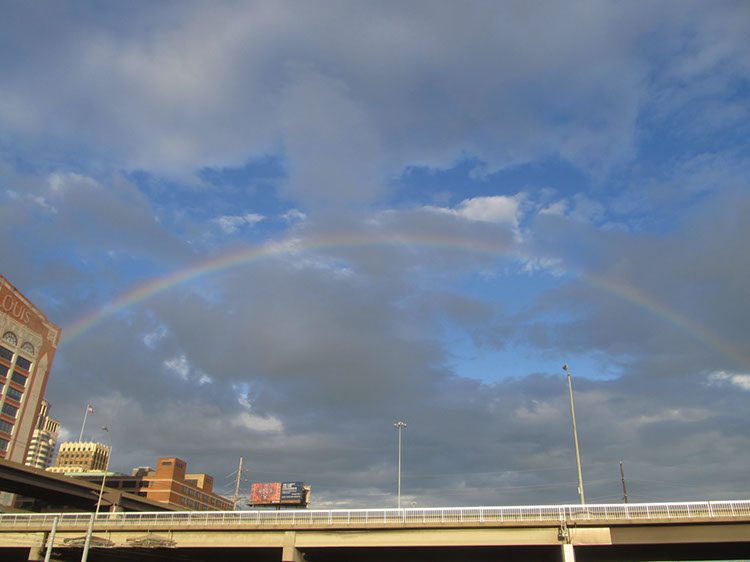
<point x="273" y="229"/>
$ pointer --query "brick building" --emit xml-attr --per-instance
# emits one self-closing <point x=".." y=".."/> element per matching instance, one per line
<point x="28" y="342"/>
<point x="169" y="484"/>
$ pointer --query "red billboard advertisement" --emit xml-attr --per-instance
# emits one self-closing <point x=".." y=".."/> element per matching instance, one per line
<point x="274" y="493"/>
<point x="265" y="493"/>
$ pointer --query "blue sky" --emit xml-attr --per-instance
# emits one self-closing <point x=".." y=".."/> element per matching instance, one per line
<point x="438" y="205"/>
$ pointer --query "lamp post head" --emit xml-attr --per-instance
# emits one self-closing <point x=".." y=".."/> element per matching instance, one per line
<point x="565" y="367"/>
<point x="104" y="428"/>
<point x="399" y="424"/>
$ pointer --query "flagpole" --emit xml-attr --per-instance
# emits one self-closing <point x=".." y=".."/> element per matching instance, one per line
<point x="88" y="409"/>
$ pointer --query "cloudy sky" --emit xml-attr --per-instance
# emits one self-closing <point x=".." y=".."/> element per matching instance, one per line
<point x="271" y="230"/>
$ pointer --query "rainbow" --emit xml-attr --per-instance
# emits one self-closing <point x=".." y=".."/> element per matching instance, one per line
<point x="292" y="247"/>
<point x="657" y="309"/>
<point x="253" y="254"/>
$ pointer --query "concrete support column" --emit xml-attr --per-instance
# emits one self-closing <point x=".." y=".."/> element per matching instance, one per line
<point x="568" y="555"/>
<point x="290" y="553"/>
<point x="35" y="553"/>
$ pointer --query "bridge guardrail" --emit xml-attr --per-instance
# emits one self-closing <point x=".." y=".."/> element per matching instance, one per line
<point x="376" y="517"/>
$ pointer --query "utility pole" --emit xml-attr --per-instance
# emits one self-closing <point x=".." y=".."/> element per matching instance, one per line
<point x="575" y="435"/>
<point x="624" y="489"/>
<point x="237" y="487"/>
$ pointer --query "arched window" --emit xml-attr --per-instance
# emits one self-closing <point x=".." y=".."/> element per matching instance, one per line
<point x="28" y="348"/>
<point x="11" y="338"/>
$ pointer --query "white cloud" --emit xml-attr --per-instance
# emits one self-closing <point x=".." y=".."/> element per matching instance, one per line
<point x="181" y="367"/>
<point x="258" y="423"/>
<point x="552" y="265"/>
<point x="294" y="215"/>
<point x="150" y="339"/>
<point x="61" y="181"/>
<point x="498" y="209"/>
<point x="722" y="378"/>
<point x="35" y="199"/>
<point x="558" y="208"/>
<point x="581" y="208"/>
<point x="178" y="365"/>
<point x="231" y="224"/>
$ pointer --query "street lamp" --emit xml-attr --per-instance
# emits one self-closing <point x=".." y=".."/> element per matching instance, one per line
<point x="399" y="425"/>
<point x="90" y="532"/>
<point x="106" y="468"/>
<point x="575" y="435"/>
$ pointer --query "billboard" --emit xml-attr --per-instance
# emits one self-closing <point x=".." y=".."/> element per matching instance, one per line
<point x="274" y="493"/>
<point x="292" y="492"/>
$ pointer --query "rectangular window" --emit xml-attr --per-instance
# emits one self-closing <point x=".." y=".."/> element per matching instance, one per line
<point x="5" y="426"/>
<point x="10" y="410"/>
<point x="3" y="370"/>
<point x="22" y="362"/>
<point x="191" y="491"/>
<point x="14" y="394"/>
<point x="6" y="353"/>
<point x="19" y="378"/>
<point x="190" y="503"/>
<point x="3" y="444"/>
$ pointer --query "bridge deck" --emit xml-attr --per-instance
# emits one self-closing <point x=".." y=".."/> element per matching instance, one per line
<point x="697" y="530"/>
<point x="538" y="516"/>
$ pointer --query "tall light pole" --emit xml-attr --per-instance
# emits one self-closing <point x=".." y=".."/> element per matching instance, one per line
<point x="575" y="435"/>
<point x="399" y="425"/>
<point x="106" y="468"/>
<point x="90" y="531"/>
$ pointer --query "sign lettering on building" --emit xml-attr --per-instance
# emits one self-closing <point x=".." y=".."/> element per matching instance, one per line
<point x="15" y="308"/>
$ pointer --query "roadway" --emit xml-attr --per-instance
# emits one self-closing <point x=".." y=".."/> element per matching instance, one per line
<point x="64" y="493"/>
<point x="595" y="533"/>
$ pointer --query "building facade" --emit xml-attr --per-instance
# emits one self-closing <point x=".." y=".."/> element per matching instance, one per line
<point x="44" y="439"/>
<point x="81" y="456"/>
<point x="28" y="342"/>
<point x="168" y="484"/>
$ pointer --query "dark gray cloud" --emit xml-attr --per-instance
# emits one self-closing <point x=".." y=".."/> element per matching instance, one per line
<point x="302" y="361"/>
<point x="679" y="294"/>
<point x="310" y="364"/>
<point x="350" y="99"/>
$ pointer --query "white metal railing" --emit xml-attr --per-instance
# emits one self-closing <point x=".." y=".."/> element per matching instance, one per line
<point x="375" y="517"/>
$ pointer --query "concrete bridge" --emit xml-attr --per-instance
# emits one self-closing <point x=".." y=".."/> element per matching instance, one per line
<point x="660" y="531"/>
<point x="56" y="492"/>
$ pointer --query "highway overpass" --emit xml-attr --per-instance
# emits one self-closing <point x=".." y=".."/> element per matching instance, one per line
<point x="64" y="493"/>
<point x="660" y="531"/>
